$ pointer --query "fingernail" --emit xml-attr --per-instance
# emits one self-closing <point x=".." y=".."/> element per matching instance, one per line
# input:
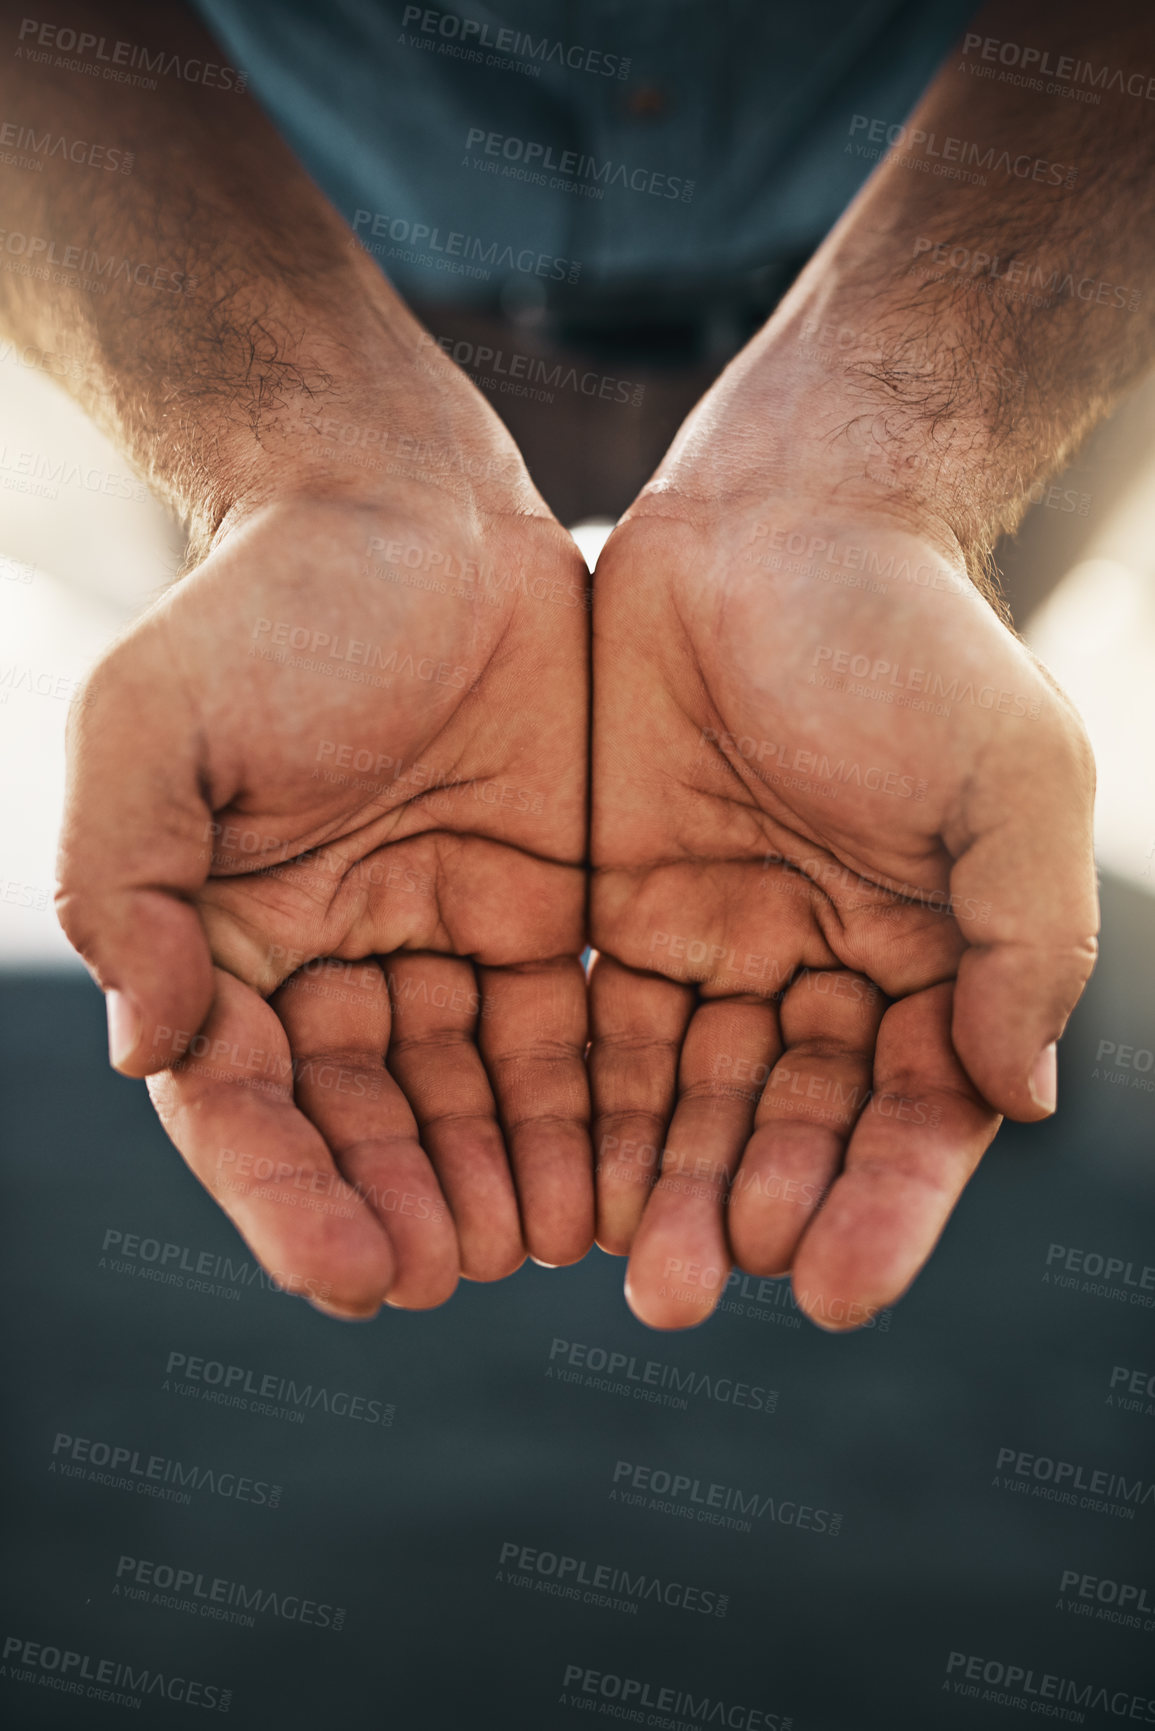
<point x="1044" y="1079"/>
<point x="340" y="1315"/>
<point x="125" y="1025"/>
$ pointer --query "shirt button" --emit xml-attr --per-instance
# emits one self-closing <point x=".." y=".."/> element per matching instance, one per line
<point x="647" y="101"/>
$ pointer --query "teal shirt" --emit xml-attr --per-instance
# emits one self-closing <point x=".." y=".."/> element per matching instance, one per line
<point x="537" y="149"/>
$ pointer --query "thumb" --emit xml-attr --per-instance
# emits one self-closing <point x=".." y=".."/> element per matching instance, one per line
<point x="1025" y="899"/>
<point x="135" y="846"/>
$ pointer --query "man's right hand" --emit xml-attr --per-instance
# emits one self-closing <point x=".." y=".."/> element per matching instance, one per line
<point x="326" y="806"/>
<point x="844" y="890"/>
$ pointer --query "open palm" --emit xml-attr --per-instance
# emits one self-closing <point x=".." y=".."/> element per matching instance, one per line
<point x="326" y="815"/>
<point x="839" y="912"/>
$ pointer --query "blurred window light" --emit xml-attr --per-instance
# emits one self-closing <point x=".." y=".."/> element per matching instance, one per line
<point x="1096" y="634"/>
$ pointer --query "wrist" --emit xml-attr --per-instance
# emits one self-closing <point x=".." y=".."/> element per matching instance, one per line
<point x="328" y="388"/>
<point x="792" y="427"/>
<point x="893" y="427"/>
<point x="409" y="432"/>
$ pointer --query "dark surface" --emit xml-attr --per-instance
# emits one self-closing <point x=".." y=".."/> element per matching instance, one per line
<point x="897" y="1431"/>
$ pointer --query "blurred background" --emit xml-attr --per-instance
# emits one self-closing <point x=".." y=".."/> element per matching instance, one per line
<point x="932" y="1570"/>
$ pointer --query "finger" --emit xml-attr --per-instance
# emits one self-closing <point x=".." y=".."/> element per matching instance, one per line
<point x="680" y="1258"/>
<point x="910" y="1155"/>
<point x="433" y="1055"/>
<point x="1025" y="899"/>
<point x="229" y="1108"/>
<point x="135" y="846"/>
<point x="807" y="1109"/>
<point x="637" y="1022"/>
<point x="338" y="1041"/>
<point x="533" y="1040"/>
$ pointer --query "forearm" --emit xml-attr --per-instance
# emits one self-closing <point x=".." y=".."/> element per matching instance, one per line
<point x="961" y="330"/>
<point x="214" y="307"/>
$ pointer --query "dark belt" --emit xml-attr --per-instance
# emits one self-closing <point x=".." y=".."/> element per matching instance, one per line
<point x="590" y="456"/>
<point x="650" y="321"/>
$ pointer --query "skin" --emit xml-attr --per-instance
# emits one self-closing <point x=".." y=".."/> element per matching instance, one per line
<point x="821" y="986"/>
<point x="337" y="920"/>
<point x="817" y="989"/>
<point x="236" y="855"/>
<point x="836" y="935"/>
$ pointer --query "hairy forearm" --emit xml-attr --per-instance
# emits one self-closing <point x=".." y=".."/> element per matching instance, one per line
<point x="213" y="307"/>
<point x="990" y="293"/>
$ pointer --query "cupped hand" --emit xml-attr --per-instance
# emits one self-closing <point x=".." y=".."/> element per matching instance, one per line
<point x="843" y="891"/>
<point x="324" y="848"/>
